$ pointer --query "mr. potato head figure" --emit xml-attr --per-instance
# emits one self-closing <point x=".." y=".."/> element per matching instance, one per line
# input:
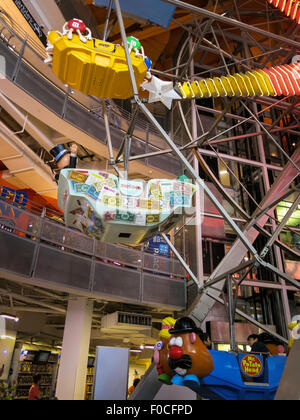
<point x="189" y="358"/>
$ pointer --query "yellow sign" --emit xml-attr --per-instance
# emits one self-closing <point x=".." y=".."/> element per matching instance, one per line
<point x="251" y="365"/>
<point x="78" y="176"/>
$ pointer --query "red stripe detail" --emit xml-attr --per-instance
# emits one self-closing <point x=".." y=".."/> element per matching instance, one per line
<point x="274" y="80"/>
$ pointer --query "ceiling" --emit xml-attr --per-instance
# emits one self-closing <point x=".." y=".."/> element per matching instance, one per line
<point x="42" y="314"/>
<point x="161" y="45"/>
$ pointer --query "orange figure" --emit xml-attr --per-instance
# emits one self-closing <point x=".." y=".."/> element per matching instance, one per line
<point x="189" y="358"/>
<point x="161" y="352"/>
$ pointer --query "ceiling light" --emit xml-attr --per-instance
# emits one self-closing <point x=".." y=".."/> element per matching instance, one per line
<point x="142" y="347"/>
<point x="136" y="351"/>
<point x="7" y="337"/>
<point x="223" y="172"/>
<point x="10" y="317"/>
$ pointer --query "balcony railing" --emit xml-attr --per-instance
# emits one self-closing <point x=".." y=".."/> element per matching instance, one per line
<point x="43" y="251"/>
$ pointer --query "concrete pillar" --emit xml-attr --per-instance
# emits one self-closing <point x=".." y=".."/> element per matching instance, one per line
<point x="75" y="349"/>
<point x="14" y="365"/>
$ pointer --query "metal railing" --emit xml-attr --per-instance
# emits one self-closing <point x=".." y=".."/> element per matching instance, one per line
<point x="26" y="68"/>
<point x="41" y="251"/>
<point x="46" y="225"/>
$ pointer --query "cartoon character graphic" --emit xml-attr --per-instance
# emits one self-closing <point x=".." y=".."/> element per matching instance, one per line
<point x="77" y="26"/>
<point x="161" y="352"/>
<point x="189" y="358"/>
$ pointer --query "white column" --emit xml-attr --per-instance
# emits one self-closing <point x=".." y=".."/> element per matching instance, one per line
<point x="75" y="350"/>
<point x="199" y="194"/>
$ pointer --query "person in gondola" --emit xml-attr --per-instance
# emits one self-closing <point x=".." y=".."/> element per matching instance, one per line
<point x="256" y="345"/>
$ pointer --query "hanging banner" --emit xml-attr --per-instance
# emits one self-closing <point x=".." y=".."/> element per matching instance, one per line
<point x="31" y="21"/>
<point x="157" y="245"/>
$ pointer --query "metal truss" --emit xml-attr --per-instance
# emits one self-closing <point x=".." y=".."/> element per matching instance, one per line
<point x="205" y="35"/>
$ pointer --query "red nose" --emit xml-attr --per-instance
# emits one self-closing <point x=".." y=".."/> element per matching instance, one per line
<point x="175" y="352"/>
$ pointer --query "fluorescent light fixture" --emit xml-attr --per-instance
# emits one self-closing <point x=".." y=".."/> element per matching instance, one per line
<point x="7" y="337"/>
<point x="149" y="347"/>
<point x="136" y="351"/>
<point x="10" y="317"/>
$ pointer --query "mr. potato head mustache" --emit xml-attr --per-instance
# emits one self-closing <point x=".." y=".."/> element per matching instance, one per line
<point x="185" y="362"/>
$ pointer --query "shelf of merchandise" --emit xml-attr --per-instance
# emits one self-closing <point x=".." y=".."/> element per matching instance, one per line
<point x="26" y="371"/>
<point x="89" y="383"/>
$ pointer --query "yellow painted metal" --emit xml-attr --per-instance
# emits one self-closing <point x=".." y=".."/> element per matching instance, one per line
<point x="253" y="83"/>
<point x="197" y="89"/>
<point x="263" y="83"/>
<point x="96" y="67"/>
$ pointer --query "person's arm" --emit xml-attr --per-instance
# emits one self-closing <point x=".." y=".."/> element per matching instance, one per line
<point x="37" y="394"/>
<point x="73" y="157"/>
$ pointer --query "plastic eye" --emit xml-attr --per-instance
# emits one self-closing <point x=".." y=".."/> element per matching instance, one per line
<point x="159" y="346"/>
<point x="172" y="342"/>
<point x="179" y="342"/>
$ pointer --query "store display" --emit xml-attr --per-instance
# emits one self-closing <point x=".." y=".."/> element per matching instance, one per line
<point x="90" y="378"/>
<point x="32" y="363"/>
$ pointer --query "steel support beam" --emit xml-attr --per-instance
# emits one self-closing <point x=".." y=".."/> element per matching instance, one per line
<point x="280" y="227"/>
<point x="233" y="22"/>
<point x="200" y="182"/>
<point x="204" y="303"/>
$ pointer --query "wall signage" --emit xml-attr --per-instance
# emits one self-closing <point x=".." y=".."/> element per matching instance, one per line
<point x="9" y="215"/>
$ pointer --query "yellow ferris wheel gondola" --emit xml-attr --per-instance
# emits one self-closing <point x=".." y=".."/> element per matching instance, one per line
<point x="92" y="66"/>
